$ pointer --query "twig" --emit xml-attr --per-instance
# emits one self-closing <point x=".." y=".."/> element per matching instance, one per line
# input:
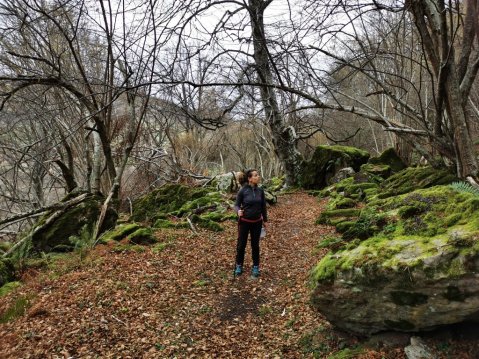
<point x="191" y="225"/>
<point x="118" y="320"/>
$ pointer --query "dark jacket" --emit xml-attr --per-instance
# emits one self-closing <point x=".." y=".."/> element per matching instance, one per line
<point x="251" y="200"/>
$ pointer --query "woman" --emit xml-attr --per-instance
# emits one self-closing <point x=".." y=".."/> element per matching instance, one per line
<point x="251" y="208"/>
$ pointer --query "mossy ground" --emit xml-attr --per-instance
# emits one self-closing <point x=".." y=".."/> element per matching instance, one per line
<point x="8" y="287"/>
<point x="7" y="271"/>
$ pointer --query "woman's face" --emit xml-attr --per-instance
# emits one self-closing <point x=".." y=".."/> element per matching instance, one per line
<point x="254" y="179"/>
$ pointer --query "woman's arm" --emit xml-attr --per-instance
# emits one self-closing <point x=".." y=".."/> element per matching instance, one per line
<point x="264" y="212"/>
<point x="239" y="201"/>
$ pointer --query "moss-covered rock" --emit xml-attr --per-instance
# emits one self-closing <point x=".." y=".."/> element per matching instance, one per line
<point x="326" y="161"/>
<point x="389" y="158"/>
<point x="57" y="235"/>
<point x="133" y="232"/>
<point x="408" y="249"/>
<point x="340" y="214"/>
<point x="7" y="271"/>
<point x="205" y="222"/>
<point x="274" y="184"/>
<point x="166" y="199"/>
<point x="383" y="171"/>
<point x="5" y="246"/>
<point x="170" y="206"/>
<point x="142" y="236"/>
<point x="413" y="178"/>
<point x="120" y="232"/>
<point x="166" y="223"/>
<point x="270" y="197"/>
<point x="341" y="203"/>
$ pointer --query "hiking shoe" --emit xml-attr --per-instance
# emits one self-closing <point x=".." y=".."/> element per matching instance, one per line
<point x="238" y="270"/>
<point x="255" y="271"/>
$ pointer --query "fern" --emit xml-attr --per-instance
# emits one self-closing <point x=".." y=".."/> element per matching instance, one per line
<point x="465" y="187"/>
<point x="84" y="241"/>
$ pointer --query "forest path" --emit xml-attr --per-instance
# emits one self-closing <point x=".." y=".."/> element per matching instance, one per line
<point x="180" y="299"/>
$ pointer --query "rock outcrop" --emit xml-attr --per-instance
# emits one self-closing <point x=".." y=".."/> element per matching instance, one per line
<point x="56" y="235"/>
<point x="408" y="263"/>
<point x="229" y="182"/>
<point x="327" y="161"/>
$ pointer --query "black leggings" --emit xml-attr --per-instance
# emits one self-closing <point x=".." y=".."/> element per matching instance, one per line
<point x="244" y="228"/>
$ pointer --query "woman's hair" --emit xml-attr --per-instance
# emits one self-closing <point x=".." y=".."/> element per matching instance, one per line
<point x="247" y="174"/>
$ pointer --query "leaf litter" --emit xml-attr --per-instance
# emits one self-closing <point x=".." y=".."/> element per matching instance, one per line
<point x="182" y="301"/>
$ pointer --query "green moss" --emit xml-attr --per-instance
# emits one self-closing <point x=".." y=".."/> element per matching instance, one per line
<point x="120" y="232"/>
<point x="389" y="157"/>
<point x="348" y="212"/>
<point x="211" y="200"/>
<point x="410" y="211"/>
<point x="142" y="236"/>
<point x="166" y="199"/>
<point x="164" y="223"/>
<point x="205" y="222"/>
<point x="160" y="247"/>
<point x="326" y="161"/>
<point x="325" y="270"/>
<point x="274" y="184"/>
<point x="220" y="216"/>
<point x="331" y="242"/>
<point x="347" y="353"/>
<point x="341" y="186"/>
<point x="413" y="178"/>
<point x="411" y="299"/>
<point x="7" y="271"/>
<point x="71" y="224"/>
<point x="181" y="201"/>
<point x="121" y="248"/>
<point x="8" y="287"/>
<point x="5" y="246"/>
<point x="383" y="171"/>
<point x="16" y="310"/>
<point x="345" y="226"/>
<point x="356" y="190"/>
<point x="340" y="202"/>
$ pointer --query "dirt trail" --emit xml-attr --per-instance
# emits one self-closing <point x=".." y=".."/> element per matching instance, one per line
<point x="181" y="301"/>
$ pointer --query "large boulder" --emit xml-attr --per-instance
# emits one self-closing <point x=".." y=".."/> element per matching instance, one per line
<point x="417" y="269"/>
<point x="389" y="158"/>
<point x="229" y="182"/>
<point x="73" y="223"/>
<point x="327" y="161"/>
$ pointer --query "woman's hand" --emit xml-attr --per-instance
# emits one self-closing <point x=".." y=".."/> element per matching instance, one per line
<point x="240" y="213"/>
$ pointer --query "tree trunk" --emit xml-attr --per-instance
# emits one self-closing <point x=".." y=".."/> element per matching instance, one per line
<point x="284" y="137"/>
<point x="466" y="162"/>
<point x="453" y="75"/>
